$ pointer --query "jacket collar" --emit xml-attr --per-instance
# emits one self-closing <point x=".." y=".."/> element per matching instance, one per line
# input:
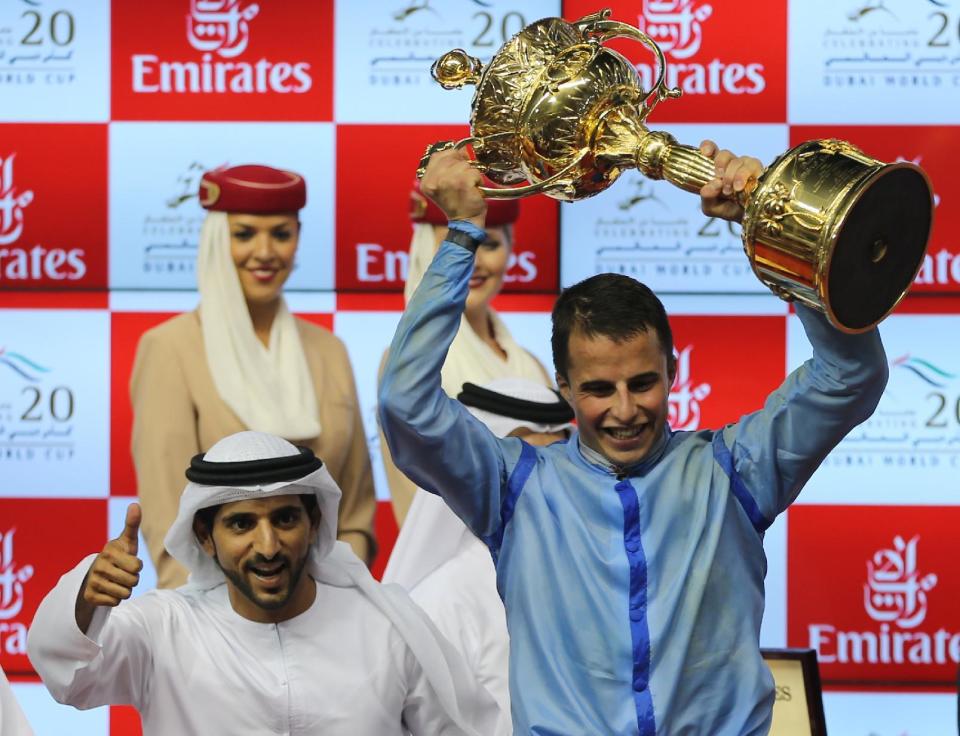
<point x="596" y="461"/>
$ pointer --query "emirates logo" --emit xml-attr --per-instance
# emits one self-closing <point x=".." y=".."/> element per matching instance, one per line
<point x="220" y="31"/>
<point x="675" y="25"/>
<point x="895" y="591"/>
<point x="220" y="26"/>
<point x="683" y="410"/>
<point x="12" y="578"/>
<point x="12" y="204"/>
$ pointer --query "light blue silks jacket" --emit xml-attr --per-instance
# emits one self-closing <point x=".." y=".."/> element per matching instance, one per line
<point x="633" y="602"/>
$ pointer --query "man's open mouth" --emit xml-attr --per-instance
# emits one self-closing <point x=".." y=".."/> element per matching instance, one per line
<point x="625" y="433"/>
<point x="268" y="573"/>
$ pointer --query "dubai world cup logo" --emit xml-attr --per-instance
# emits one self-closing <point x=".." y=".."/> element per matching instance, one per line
<point x="222" y="26"/>
<point x="675" y="25"/>
<point x="895" y="590"/>
<point x="683" y="411"/>
<point x="12" y="578"/>
<point x="12" y="203"/>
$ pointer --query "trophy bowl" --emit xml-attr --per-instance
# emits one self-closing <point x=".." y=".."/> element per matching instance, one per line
<point x="556" y="112"/>
<point x="839" y="231"/>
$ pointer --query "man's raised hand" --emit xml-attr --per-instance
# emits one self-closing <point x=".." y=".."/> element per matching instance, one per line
<point x="733" y="175"/>
<point x="452" y="182"/>
<point x="114" y="574"/>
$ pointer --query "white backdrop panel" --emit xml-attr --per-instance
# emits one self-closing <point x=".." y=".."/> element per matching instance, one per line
<point x="55" y="56"/>
<point x="908" y="452"/>
<point x="890" y="714"/>
<point x="54" y="403"/>
<point x="155" y="217"/>
<point x="656" y="232"/>
<point x="874" y="62"/>
<point x="384" y="49"/>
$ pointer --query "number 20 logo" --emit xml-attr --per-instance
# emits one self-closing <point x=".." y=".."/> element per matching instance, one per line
<point x="60" y="404"/>
<point x="60" y="28"/>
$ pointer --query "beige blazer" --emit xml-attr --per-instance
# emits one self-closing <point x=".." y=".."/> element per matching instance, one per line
<point x="178" y="413"/>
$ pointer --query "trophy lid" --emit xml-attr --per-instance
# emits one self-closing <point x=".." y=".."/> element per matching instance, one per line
<point x="503" y="89"/>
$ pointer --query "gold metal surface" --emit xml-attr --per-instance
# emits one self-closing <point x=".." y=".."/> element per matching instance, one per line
<point x="557" y="112"/>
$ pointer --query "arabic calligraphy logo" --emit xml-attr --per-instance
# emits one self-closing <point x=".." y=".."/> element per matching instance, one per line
<point x="220" y="25"/>
<point x="11" y="204"/>
<point x="683" y="411"/>
<point x="924" y="370"/>
<point x="675" y="25"/>
<point x="894" y="590"/>
<point x="11" y="579"/>
<point x="22" y="366"/>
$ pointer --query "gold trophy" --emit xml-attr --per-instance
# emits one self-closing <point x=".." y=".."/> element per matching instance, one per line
<point x="561" y="114"/>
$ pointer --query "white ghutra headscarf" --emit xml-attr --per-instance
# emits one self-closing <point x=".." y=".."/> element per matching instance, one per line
<point x="269" y="388"/>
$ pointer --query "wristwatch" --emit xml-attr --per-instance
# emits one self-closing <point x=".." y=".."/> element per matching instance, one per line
<point x="463" y="239"/>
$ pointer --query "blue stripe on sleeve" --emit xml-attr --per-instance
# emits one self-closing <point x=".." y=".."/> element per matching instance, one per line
<point x="521" y="471"/>
<point x="725" y="460"/>
<point x="639" y="633"/>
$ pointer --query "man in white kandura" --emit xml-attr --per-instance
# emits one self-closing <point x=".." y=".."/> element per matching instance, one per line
<point x="279" y="629"/>
<point x="448" y="571"/>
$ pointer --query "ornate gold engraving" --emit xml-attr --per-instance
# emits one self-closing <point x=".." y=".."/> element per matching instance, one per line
<point x="558" y="112"/>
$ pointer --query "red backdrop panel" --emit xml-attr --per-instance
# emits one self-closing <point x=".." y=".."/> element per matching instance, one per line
<point x="874" y="589"/>
<point x="252" y="61"/>
<point x="722" y="79"/>
<point x="376" y="165"/>
<point x="934" y="148"/>
<point x="40" y="540"/>
<point x="53" y="206"/>
<point x="716" y="384"/>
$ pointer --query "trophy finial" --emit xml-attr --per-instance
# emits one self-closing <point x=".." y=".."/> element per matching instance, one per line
<point x="456" y="68"/>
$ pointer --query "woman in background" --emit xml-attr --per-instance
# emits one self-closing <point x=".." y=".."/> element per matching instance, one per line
<point x="242" y="361"/>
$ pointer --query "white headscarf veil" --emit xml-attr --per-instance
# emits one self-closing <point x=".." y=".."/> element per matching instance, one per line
<point x="334" y="563"/>
<point x="268" y="388"/>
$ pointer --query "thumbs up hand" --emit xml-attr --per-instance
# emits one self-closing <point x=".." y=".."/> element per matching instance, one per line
<point x="115" y="572"/>
<point x="128" y="537"/>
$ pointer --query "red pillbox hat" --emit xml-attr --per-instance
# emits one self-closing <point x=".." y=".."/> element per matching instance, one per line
<point x="499" y="211"/>
<point x="252" y="188"/>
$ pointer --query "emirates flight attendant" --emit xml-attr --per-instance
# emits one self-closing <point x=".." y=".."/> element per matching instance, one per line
<point x="243" y="361"/>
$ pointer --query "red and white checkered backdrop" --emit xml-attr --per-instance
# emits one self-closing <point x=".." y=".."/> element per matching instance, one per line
<point x="110" y="111"/>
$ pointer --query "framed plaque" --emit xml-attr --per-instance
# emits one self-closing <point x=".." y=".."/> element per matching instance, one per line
<point x="798" y="705"/>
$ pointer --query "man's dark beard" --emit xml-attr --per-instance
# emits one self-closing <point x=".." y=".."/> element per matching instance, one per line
<point x="241" y="584"/>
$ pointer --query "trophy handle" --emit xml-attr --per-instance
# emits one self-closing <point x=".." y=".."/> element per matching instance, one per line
<point x="598" y="28"/>
<point x="557" y="180"/>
